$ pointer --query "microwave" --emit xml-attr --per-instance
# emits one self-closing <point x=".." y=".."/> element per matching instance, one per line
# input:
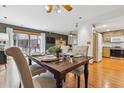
<point x="117" y="39"/>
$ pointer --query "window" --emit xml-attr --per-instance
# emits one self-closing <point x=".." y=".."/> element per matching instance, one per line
<point x="35" y="42"/>
<point x="28" y="42"/>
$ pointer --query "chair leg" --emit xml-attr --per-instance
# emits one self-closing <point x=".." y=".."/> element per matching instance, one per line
<point x="5" y="66"/>
<point x="64" y="78"/>
<point x="75" y="76"/>
<point x="78" y="81"/>
<point x="20" y="85"/>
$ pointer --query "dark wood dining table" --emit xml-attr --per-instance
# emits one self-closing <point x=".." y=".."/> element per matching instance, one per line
<point x="61" y="68"/>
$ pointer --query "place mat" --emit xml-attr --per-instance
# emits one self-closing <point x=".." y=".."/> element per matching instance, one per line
<point x="37" y="54"/>
<point x="77" y="56"/>
<point x="48" y="58"/>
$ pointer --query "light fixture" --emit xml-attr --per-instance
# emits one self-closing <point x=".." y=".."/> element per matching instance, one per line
<point x="104" y="25"/>
<point x="80" y="17"/>
<point x="47" y="7"/>
<point x="5" y="17"/>
<point x="4" y="5"/>
<point x="70" y="35"/>
<point x="107" y="29"/>
<point x="76" y="25"/>
<point x="57" y="9"/>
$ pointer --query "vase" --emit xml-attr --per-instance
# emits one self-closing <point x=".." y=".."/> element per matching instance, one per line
<point x="57" y="54"/>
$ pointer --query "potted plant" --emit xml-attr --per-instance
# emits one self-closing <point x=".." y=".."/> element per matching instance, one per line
<point x="55" y="50"/>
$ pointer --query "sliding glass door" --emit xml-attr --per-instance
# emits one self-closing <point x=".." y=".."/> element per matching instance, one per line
<point x="28" y="43"/>
<point x="35" y="43"/>
<point x="21" y="41"/>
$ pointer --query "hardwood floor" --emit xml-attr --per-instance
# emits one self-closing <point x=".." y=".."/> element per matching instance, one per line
<point x="109" y="73"/>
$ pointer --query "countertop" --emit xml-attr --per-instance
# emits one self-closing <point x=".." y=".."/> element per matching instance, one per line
<point x="114" y="48"/>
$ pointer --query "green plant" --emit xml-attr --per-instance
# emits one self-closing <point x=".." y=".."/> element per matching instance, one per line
<point x="54" y="50"/>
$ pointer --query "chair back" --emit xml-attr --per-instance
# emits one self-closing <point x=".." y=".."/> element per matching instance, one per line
<point x="80" y="50"/>
<point x="22" y="66"/>
<point x="65" y="49"/>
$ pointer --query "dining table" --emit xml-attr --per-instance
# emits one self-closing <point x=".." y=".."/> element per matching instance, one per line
<point x="61" y="67"/>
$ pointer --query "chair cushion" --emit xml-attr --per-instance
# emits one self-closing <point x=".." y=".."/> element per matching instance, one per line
<point x="37" y="69"/>
<point x="45" y="80"/>
<point x="78" y="71"/>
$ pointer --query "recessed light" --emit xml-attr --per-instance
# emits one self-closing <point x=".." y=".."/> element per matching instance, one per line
<point x="80" y="17"/>
<point x="107" y="29"/>
<point x="104" y="25"/>
<point x="76" y="25"/>
<point x="4" y="5"/>
<point x="5" y="17"/>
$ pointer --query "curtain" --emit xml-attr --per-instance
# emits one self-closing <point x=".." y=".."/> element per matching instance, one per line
<point x="10" y="33"/>
<point x="43" y="42"/>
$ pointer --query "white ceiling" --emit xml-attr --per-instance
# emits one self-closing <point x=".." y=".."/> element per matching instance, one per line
<point x="111" y="25"/>
<point x="35" y="16"/>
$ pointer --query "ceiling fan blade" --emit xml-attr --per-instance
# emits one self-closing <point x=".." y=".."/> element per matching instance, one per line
<point x="67" y="7"/>
<point x="49" y="8"/>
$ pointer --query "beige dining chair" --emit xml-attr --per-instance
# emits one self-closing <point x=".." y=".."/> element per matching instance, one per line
<point x="79" y="50"/>
<point x="65" y="49"/>
<point x="43" y="81"/>
<point x="36" y="69"/>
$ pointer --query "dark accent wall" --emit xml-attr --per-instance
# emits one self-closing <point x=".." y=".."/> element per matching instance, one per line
<point x="2" y="28"/>
<point x="56" y="36"/>
<point x="48" y="34"/>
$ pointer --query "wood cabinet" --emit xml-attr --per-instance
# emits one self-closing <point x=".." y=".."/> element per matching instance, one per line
<point x="108" y="35"/>
<point x="106" y="52"/>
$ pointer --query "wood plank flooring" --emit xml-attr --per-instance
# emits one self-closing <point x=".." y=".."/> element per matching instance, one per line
<point x="109" y="73"/>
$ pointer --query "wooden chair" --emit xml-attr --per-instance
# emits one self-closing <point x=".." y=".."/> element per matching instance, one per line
<point x="44" y="81"/>
<point x="79" y="50"/>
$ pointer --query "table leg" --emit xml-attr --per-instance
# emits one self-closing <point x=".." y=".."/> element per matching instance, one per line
<point x="58" y="82"/>
<point x="86" y="75"/>
<point x="30" y="61"/>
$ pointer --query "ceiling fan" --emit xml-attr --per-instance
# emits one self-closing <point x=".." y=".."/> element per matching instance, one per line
<point x="50" y="8"/>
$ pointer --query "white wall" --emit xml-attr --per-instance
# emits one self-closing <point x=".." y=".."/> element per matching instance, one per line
<point x="85" y="35"/>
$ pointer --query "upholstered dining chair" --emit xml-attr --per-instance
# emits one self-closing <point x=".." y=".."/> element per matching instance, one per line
<point x="83" y="51"/>
<point x="36" y="69"/>
<point x="44" y="81"/>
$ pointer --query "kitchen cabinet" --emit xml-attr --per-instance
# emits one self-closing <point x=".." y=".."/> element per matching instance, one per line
<point x="117" y="39"/>
<point x="106" y="38"/>
<point x="106" y="52"/>
<point x="113" y="36"/>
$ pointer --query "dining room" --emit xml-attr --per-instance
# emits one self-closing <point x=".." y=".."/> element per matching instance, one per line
<point x="58" y="46"/>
